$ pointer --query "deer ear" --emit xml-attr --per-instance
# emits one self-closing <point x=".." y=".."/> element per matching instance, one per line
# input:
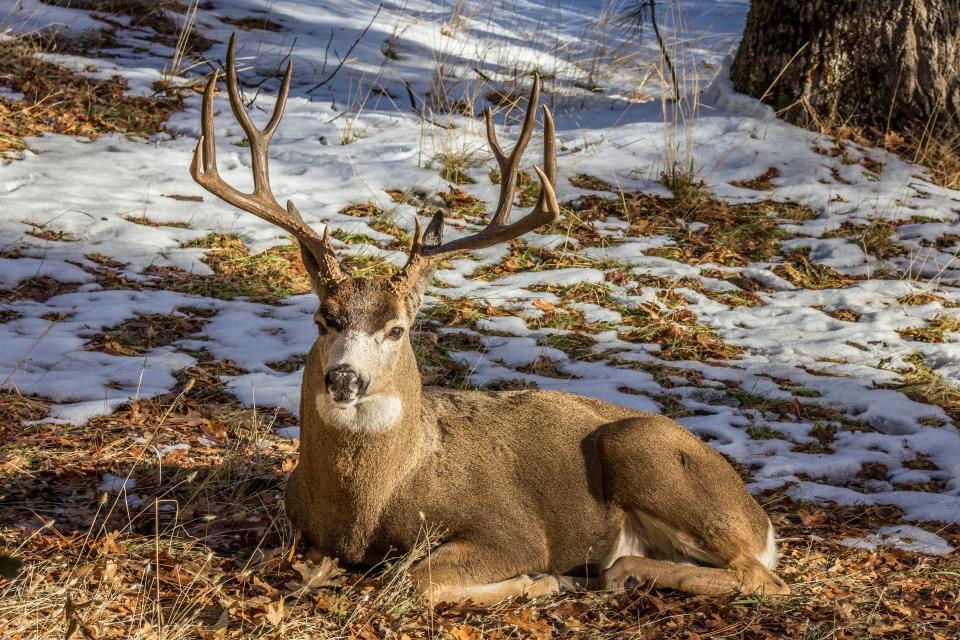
<point x="312" y="266"/>
<point x="432" y="236"/>
<point x="414" y="297"/>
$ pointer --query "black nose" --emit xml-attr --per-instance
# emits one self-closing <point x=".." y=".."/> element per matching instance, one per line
<point x="343" y="381"/>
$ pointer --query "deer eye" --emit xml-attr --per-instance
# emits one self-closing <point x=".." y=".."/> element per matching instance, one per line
<point x="396" y="333"/>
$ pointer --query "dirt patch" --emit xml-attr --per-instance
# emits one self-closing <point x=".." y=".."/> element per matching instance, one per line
<point x="38" y="289"/>
<point x="763" y="182"/>
<point x="145" y="332"/>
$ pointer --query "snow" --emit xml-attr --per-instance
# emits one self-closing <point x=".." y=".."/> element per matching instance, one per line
<point x="89" y="189"/>
<point x="903" y="537"/>
<point x="115" y="484"/>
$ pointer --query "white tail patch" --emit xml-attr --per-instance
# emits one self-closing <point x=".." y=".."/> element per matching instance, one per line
<point x="628" y="543"/>
<point x="768" y="557"/>
<point x="650" y="537"/>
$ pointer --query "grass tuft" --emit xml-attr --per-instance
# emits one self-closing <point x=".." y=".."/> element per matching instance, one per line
<point x="798" y="269"/>
<point x="724" y="234"/>
<point x="145" y="332"/>
<point x="935" y="331"/>
<point x="268" y="276"/>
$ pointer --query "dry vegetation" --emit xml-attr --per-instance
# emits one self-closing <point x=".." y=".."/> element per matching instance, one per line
<point x="703" y="228"/>
<point x="924" y="145"/>
<point x="58" y="100"/>
<point x="199" y="548"/>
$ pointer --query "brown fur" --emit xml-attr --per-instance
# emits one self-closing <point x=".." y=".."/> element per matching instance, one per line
<point x="523" y="482"/>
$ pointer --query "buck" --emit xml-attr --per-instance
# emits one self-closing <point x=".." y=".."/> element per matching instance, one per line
<point x="531" y="492"/>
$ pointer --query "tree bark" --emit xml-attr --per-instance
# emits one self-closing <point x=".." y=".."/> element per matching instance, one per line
<point x="880" y="64"/>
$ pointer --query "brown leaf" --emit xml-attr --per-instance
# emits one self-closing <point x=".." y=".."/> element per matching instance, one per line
<point x="811" y="519"/>
<point x="880" y="629"/>
<point x="525" y="621"/>
<point x="313" y="576"/>
<point x="464" y="632"/>
<point x="544" y="306"/>
<point x="274" y="613"/>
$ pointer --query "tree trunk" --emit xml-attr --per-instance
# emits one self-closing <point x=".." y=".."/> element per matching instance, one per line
<point x="878" y="64"/>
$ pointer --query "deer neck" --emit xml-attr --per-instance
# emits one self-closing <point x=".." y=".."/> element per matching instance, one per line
<point x="372" y="445"/>
<point x="357" y="466"/>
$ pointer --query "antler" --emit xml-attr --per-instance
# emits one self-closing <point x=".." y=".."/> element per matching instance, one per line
<point x="426" y="249"/>
<point x="261" y="202"/>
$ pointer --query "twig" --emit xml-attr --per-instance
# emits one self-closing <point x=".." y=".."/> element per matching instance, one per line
<point x="276" y="73"/>
<point x="347" y="55"/>
<point x="639" y="16"/>
<point x="420" y="112"/>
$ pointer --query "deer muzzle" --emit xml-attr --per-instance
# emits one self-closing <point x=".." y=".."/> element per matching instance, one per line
<point x="344" y="384"/>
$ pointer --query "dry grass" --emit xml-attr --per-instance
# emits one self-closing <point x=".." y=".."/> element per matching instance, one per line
<point x="924" y="145"/>
<point x="877" y="238"/>
<point x="917" y="298"/>
<point x="58" y="100"/>
<point x="146" y="331"/>
<point x="248" y="23"/>
<point x="267" y="276"/>
<point x="763" y="182"/>
<point x="941" y="155"/>
<point x="458" y="312"/>
<point x="585" y="181"/>
<point x="159" y="16"/>
<point x="798" y="269"/>
<point x="678" y="334"/>
<point x="734" y="235"/>
<point x="935" y="331"/>
<point x="525" y="257"/>
<point x="148" y="222"/>
<point x="730" y="297"/>
<point x="923" y="385"/>
<point x="38" y="289"/>
<point x="207" y="553"/>
<point x="432" y="348"/>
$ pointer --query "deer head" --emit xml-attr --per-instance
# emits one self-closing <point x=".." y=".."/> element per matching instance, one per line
<point x="364" y="324"/>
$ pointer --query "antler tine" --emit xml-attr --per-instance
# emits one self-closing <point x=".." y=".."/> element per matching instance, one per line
<point x="509" y="165"/>
<point x="261" y="202"/>
<point x="549" y="163"/>
<point x="546" y="210"/>
<point x="259" y="140"/>
<point x="424" y="255"/>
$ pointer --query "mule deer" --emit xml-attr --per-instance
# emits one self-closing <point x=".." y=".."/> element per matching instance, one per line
<point x="527" y="486"/>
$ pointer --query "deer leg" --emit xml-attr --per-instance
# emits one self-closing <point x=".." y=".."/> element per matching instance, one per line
<point x="524" y="586"/>
<point x="460" y="572"/>
<point x="684" y="506"/>
<point x="632" y="571"/>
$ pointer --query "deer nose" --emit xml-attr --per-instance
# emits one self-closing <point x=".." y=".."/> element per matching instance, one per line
<point x="343" y="383"/>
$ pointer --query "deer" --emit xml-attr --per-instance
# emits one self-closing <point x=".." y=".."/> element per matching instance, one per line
<point x="530" y="492"/>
